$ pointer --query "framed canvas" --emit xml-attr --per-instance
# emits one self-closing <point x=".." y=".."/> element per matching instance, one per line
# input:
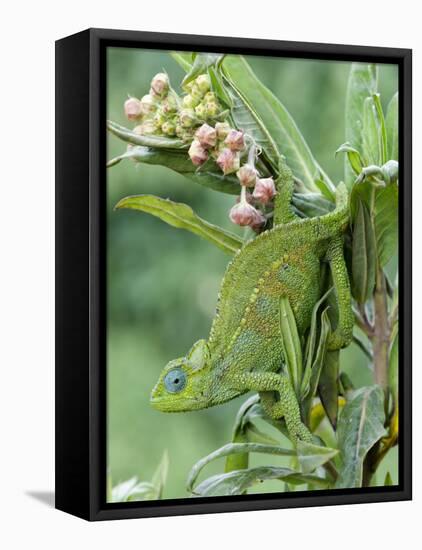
<point x="233" y="257"/>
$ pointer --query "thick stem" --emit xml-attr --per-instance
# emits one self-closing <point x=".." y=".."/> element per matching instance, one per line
<point x="381" y="335"/>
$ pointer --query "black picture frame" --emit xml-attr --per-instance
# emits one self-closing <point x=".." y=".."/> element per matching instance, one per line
<point x="81" y="284"/>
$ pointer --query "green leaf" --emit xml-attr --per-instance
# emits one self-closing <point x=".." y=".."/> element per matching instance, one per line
<point x="290" y="341"/>
<point x="382" y="128"/>
<point x="392" y="128"/>
<point x="309" y="205"/>
<point x="313" y="456"/>
<point x="278" y="133"/>
<point x="234" y="449"/>
<point x="235" y="483"/>
<point x="384" y="201"/>
<point x="371" y="137"/>
<point x="184" y="59"/>
<point x="200" y="66"/>
<point x="363" y="255"/>
<point x="160" y="475"/>
<point x="311" y="344"/>
<point x="209" y="175"/>
<point x="328" y="385"/>
<point x="182" y="216"/>
<point x="353" y="155"/>
<point x="316" y="362"/>
<point x="240" y="435"/>
<point x="360" y="426"/>
<point x="217" y="86"/>
<point x="362" y="83"/>
<point x="157" y="142"/>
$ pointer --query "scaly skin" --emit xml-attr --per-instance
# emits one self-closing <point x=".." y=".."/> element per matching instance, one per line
<point x="244" y="351"/>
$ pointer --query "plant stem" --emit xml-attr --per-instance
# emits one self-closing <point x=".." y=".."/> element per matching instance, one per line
<point x="381" y="335"/>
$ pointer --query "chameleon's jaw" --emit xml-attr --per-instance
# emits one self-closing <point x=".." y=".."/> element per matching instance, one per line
<point x="168" y="404"/>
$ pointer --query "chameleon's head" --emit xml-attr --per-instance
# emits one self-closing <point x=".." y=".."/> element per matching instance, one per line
<point x="182" y="383"/>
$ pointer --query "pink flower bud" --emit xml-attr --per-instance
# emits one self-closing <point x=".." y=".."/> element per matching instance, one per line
<point x="133" y="108"/>
<point x="264" y="190"/>
<point x="146" y="128"/>
<point x="235" y="140"/>
<point x="245" y="214"/>
<point x="228" y="161"/>
<point x="197" y="153"/>
<point x="207" y="136"/>
<point x="247" y="175"/>
<point x="223" y="129"/>
<point x="160" y="85"/>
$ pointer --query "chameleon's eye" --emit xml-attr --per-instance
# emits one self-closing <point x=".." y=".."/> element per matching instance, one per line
<point x="175" y="380"/>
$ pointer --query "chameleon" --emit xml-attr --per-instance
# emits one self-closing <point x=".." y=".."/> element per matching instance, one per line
<point x="244" y="349"/>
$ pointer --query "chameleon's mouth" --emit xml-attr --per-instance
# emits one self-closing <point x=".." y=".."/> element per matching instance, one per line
<point x="164" y="404"/>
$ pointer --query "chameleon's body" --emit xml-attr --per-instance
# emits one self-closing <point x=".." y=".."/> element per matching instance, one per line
<point x="244" y="350"/>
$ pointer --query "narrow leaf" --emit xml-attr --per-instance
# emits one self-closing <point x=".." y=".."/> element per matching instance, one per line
<point x="353" y="156"/>
<point x="360" y="426"/>
<point x="291" y="344"/>
<point x="313" y="456"/>
<point x="182" y="216"/>
<point x="361" y="84"/>
<point x="158" y="142"/>
<point x="309" y="205"/>
<point x="233" y="449"/>
<point x="235" y="483"/>
<point x="209" y="175"/>
<point x="328" y="385"/>
<point x="392" y="128"/>
<point x="184" y="59"/>
<point x="200" y="66"/>
<point x="382" y="128"/>
<point x="363" y="255"/>
<point x="371" y="135"/>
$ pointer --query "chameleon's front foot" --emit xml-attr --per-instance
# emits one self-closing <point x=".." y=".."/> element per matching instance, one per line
<point x="286" y="407"/>
<point x="289" y="410"/>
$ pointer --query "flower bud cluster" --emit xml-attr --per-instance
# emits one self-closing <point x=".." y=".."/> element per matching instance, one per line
<point x="198" y="118"/>
<point x="163" y="112"/>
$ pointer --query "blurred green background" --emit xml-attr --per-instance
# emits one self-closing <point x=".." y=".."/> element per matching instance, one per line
<point x="163" y="282"/>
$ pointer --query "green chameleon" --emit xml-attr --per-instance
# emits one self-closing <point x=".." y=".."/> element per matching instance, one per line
<point x="244" y="349"/>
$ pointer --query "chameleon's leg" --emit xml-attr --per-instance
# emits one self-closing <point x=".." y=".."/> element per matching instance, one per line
<point x="342" y="335"/>
<point x="268" y="382"/>
<point x="283" y="212"/>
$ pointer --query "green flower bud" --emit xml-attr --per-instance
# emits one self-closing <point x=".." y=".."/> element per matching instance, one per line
<point x="196" y="93"/>
<point x="148" y="104"/>
<point x="168" y="128"/>
<point x="210" y="97"/>
<point x="187" y="118"/>
<point x="201" y="111"/>
<point x="169" y="104"/>
<point x="223" y="129"/>
<point x="190" y="102"/>
<point x="160" y="85"/>
<point x="212" y="109"/>
<point x="203" y="82"/>
<point x="160" y="117"/>
<point x="148" y="127"/>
